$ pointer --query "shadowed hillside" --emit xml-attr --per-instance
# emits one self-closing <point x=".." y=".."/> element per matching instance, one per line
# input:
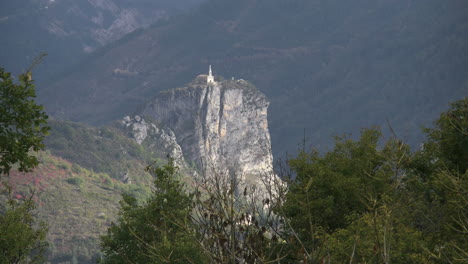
<point x="68" y="30"/>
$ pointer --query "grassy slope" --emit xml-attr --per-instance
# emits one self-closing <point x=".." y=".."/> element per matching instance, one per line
<point x="104" y="149"/>
<point x="77" y="204"/>
<point x="79" y="183"/>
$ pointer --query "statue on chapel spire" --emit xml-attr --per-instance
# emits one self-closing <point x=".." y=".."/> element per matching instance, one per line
<point x="210" y="78"/>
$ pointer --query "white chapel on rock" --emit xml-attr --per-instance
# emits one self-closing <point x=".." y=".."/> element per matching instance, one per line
<point x="210" y="77"/>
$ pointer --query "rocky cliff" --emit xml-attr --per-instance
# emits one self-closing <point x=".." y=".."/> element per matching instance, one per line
<point x="156" y="139"/>
<point x="220" y="128"/>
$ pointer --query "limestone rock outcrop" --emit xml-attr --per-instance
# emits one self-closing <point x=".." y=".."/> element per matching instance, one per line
<point x="220" y="127"/>
<point x="161" y="140"/>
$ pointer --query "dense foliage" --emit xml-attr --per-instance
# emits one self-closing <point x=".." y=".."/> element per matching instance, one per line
<point x="364" y="203"/>
<point x="156" y="231"/>
<point x="352" y="204"/>
<point x="22" y="236"/>
<point x="370" y="200"/>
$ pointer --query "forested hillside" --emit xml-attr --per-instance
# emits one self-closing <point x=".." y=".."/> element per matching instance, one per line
<point x="328" y="67"/>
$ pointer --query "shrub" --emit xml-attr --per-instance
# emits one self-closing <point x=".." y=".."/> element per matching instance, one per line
<point x="76" y="169"/>
<point x="63" y="166"/>
<point x="75" y="181"/>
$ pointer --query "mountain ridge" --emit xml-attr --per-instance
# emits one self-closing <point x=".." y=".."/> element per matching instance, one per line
<point x="69" y="30"/>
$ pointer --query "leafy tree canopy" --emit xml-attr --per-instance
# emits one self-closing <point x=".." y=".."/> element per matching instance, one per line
<point x="448" y="141"/>
<point x="372" y="202"/>
<point x="22" y="123"/>
<point x="22" y="129"/>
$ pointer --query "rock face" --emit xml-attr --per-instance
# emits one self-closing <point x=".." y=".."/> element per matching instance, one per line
<point x="220" y="127"/>
<point x="155" y="138"/>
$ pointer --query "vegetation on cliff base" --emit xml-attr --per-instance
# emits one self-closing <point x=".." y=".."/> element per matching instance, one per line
<point x="155" y="231"/>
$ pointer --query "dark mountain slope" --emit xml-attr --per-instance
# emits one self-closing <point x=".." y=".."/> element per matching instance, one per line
<point x="328" y="67"/>
<point x="68" y="30"/>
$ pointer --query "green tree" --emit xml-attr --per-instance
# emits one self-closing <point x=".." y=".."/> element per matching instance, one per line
<point x="447" y="142"/>
<point x="441" y="183"/>
<point x="22" y="237"/>
<point x="22" y="129"/>
<point x="22" y="123"/>
<point x="371" y="202"/>
<point x="157" y="231"/>
<point x="351" y="204"/>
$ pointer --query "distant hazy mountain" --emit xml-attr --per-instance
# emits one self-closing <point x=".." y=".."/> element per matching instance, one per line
<point x="328" y="66"/>
<point x="69" y="29"/>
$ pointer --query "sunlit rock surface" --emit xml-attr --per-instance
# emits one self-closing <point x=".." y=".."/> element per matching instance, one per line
<point x="158" y="139"/>
<point x="220" y="127"/>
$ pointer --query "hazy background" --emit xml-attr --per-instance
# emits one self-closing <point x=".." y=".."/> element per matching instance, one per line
<point x="328" y="67"/>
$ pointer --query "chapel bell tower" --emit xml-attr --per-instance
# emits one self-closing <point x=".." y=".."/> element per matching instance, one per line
<point x="210" y="77"/>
